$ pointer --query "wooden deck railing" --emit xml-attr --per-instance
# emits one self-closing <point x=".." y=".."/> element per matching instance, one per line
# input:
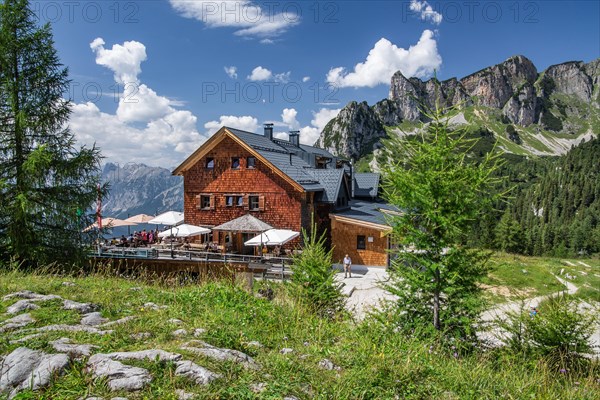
<point x="267" y="266"/>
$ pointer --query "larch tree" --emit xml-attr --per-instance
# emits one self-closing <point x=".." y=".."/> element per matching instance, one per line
<point x="46" y="183"/>
<point x="441" y="189"/>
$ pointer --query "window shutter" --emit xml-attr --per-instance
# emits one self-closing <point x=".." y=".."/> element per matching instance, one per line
<point x="261" y="203"/>
<point x="212" y="201"/>
<point x="198" y="201"/>
<point x="246" y="203"/>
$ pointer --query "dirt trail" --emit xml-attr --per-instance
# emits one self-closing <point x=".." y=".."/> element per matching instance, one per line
<point x="502" y="311"/>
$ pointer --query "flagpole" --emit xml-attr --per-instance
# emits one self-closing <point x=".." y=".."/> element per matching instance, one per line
<point x="99" y="217"/>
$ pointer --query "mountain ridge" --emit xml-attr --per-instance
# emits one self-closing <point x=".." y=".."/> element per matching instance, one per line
<point x="138" y="188"/>
<point x="548" y="111"/>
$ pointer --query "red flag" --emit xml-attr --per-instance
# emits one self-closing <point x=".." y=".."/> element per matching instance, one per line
<point x="99" y="209"/>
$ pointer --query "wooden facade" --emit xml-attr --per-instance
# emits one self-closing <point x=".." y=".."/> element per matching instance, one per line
<point x="366" y="243"/>
<point x="230" y="190"/>
<point x="229" y="180"/>
<point x="234" y="174"/>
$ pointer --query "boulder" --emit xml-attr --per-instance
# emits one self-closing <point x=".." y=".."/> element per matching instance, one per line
<point x="118" y="375"/>
<point x="20" y="306"/>
<point x="16" y="322"/>
<point x="83" y="308"/>
<point x="220" y="354"/>
<point x="195" y="373"/>
<point x="93" y="319"/>
<point x="29" y="369"/>
<point x="64" y="345"/>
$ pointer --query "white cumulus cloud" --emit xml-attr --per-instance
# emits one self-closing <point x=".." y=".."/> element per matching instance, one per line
<point x="306" y="79"/>
<point x="140" y="103"/>
<point x="385" y="58"/>
<point x="245" y="123"/>
<point x="231" y="72"/>
<point x="250" y="19"/>
<point x="264" y="74"/>
<point x="146" y="126"/>
<point x="289" y="118"/>
<point x="165" y="141"/>
<point x="260" y="74"/>
<point x="308" y="134"/>
<point x="124" y="60"/>
<point x="426" y="12"/>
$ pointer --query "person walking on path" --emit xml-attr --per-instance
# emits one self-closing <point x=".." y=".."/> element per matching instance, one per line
<point x="347" y="266"/>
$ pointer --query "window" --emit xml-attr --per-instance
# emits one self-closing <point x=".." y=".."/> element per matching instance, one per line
<point x="229" y="200"/>
<point x="235" y="162"/>
<point x="253" y="203"/>
<point x="240" y="201"/>
<point x="205" y="202"/>
<point x="321" y="163"/>
<point x="251" y="162"/>
<point x="361" y="242"/>
<point x="210" y="163"/>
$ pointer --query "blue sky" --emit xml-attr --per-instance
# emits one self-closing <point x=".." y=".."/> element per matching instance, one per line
<point x="153" y="79"/>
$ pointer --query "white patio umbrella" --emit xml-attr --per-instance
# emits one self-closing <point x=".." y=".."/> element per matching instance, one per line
<point x="272" y="237"/>
<point x="109" y="223"/>
<point x="140" y="218"/>
<point x="184" y="230"/>
<point x="169" y="218"/>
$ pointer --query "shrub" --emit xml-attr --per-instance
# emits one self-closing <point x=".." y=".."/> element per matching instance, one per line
<point x="560" y="331"/>
<point x="313" y="277"/>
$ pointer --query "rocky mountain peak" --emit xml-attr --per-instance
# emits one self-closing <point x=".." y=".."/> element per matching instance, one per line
<point x="571" y="78"/>
<point x="514" y="86"/>
<point x="138" y="188"/>
<point x="361" y="126"/>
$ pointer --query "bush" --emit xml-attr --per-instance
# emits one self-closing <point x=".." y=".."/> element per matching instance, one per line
<point x="560" y="331"/>
<point x="313" y="277"/>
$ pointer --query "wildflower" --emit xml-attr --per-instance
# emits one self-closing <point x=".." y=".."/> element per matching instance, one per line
<point x="455" y="355"/>
<point x="562" y="371"/>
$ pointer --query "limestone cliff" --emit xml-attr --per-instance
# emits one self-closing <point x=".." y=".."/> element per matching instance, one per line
<point x="557" y="99"/>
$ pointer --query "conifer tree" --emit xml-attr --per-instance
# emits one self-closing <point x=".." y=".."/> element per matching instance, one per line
<point x="440" y="192"/>
<point x="46" y="184"/>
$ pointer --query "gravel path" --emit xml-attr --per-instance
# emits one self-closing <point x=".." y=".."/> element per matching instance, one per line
<point x="365" y="294"/>
<point x="363" y="289"/>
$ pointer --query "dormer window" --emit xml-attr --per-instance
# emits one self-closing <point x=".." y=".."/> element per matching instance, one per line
<point x="210" y="163"/>
<point x="251" y="162"/>
<point x="321" y="163"/>
<point x="235" y="163"/>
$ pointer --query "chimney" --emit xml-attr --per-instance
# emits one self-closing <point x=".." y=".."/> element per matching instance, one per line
<point x="295" y="138"/>
<point x="269" y="131"/>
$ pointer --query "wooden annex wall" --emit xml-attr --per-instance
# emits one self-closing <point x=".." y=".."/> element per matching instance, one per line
<point x="344" y="241"/>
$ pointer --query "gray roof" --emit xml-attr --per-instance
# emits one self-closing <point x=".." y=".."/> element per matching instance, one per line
<point x="257" y="141"/>
<point x="331" y="181"/>
<point x="316" y="150"/>
<point x="366" y="184"/>
<point x="245" y="223"/>
<point x="282" y="155"/>
<point x="368" y="211"/>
